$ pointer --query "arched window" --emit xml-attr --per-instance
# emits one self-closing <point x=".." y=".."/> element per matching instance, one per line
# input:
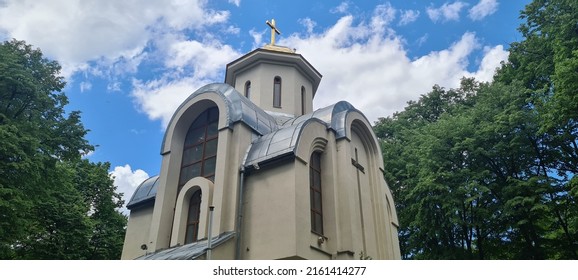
<point x="315" y="193"/>
<point x="302" y="100"/>
<point x="248" y="89"/>
<point x="277" y="92"/>
<point x="200" y="149"/>
<point x="192" y="232"/>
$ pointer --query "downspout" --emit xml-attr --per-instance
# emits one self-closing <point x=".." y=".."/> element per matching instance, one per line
<point x="239" y="223"/>
<point x="238" y="227"/>
<point x="210" y="233"/>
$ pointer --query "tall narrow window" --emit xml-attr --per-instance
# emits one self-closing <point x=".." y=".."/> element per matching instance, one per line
<point x="248" y="89"/>
<point x="277" y="92"/>
<point x="192" y="233"/>
<point x="302" y="100"/>
<point x="200" y="149"/>
<point x="315" y="193"/>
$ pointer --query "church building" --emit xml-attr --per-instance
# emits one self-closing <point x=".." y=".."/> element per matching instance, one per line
<point x="250" y="171"/>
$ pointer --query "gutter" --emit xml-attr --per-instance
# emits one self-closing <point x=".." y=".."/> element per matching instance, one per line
<point x="238" y="225"/>
<point x="239" y="222"/>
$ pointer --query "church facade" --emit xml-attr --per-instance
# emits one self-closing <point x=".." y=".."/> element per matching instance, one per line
<point x="251" y="171"/>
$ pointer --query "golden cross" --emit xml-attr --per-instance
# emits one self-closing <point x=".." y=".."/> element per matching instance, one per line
<point x="273" y="30"/>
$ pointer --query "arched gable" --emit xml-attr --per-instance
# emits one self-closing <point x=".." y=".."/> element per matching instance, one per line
<point x="358" y="123"/>
<point x="355" y="121"/>
<point x="233" y="108"/>
<point x="357" y="126"/>
<point x="314" y="138"/>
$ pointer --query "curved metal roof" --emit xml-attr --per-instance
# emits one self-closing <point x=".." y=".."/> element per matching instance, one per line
<point x="333" y="115"/>
<point x="284" y="141"/>
<point x="146" y="191"/>
<point x="276" y="144"/>
<point x="239" y="109"/>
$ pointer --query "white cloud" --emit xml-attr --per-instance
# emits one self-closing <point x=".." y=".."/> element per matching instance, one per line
<point x="446" y="12"/>
<point x="368" y="66"/>
<point x="159" y="98"/>
<point x="483" y="9"/>
<point x="126" y="180"/>
<point x="233" y="30"/>
<point x="75" y="32"/>
<point x="341" y="9"/>
<point x="257" y="38"/>
<point x="383" y="15"/>
<point x="205" y="60"/>
<point x="408" y="16"/>
<point x="308" y="23"/>
<point x="421" y="40"/>
<point x="491" y="60"/>
<point x="189" y="65"/>
<point x="84" y="85"/>
<point x="235" y="2"/>
<point x="113" y="86"/>
<point x="366" y="60"/>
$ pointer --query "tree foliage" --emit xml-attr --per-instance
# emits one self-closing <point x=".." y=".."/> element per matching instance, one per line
<point x="53" y="204"/>
<point x="486" y="171"/>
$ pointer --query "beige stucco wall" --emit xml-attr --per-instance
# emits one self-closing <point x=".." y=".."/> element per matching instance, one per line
<point x="356" y="216"/>
<point x="137" y="232"/>
<point x="261" y="77"/>
<point x="268" y="230"/>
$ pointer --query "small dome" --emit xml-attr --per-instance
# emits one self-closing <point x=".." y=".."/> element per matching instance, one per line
<point x="146" y="191"/>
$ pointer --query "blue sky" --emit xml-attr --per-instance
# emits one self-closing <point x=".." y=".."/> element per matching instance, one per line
<point x="129" y="64"/>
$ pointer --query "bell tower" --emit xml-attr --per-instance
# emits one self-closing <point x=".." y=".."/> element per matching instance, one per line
<point x="275" y="78"/>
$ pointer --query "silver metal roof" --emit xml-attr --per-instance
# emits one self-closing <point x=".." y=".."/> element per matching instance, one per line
<point x="239" y="109"/>
<point x="281" y="118"/>
<point x="284" y="141"/>
<point x="146" y="191"/>
<point x="276" y="144"/>
<point x="333" y="115"/>
<point x="188" y="251"/>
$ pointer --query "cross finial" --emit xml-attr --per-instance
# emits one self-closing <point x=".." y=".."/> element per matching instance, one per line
<point x="273" y="31"/>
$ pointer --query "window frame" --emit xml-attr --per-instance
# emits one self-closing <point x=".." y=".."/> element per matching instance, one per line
<point x="277" y="93"/>
<point x="248" y="89"/>
<point x="193" y="222"/>
<point x="316" y="189"/>
<point x="211" y="120"/>
<point x="303" y="95"/>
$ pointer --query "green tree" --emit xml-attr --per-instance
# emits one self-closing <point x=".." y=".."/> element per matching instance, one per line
<point x="99" y="193"/>
<point x="53" y="205"/>
<point x="546" y="62"/>
<point x="487" y="171"/>
<point x="474" y="180"/>
<point x="414" y="156"/>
